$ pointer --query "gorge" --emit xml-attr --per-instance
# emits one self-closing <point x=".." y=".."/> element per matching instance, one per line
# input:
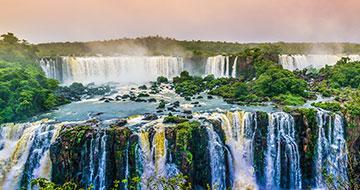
<point x="209" y="121"/>
<point x="237" y="150"/>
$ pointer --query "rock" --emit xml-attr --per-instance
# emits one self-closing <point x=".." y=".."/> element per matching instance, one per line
<point x="187" y="112"/>
<point x="199" y="97"/>
<point x="118" y="98"/>
<point x="172" y="109"/>
<point x="195" y="103"/>
<point x="189" y="117"/>
<point x="151" y="100"/>
<point x="96" y="114"/>
<point x="176" y="104"/>
<point x="161" y="105"/>
<point x="119" y="123"/>
<point x="143" y="94"/>
<point x="125" y="96"/>
<point x="187" y="98"/>
<point x="143" y="87"/>
<point x="210" y="97"/>
<point x="102" y="99"/>
<point x="150" y="116"/>
<point x="139" y="100"/>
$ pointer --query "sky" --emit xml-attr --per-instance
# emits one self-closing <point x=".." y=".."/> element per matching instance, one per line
<point x="218" y="20"/>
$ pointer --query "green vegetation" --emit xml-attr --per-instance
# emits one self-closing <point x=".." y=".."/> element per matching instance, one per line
<point x="174" y="119"/>
<point x="44" y="184"/>
<point x="24" y="89"/>
<point x="289" y="99"/>
<point x="156" y="45"/>
<point x="264" y="81"/>
<point x="331" y="106"/>
<point x="162" y="79"/>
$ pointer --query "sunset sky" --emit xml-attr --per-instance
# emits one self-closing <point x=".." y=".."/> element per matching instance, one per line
<point x="220" y="20"/>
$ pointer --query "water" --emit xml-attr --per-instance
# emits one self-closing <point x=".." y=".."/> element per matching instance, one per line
<point x="300" y="62"/>
<point x="152" y="157"/>
<point x="331" y="152"/>
<point x="122" y="69"/>
<point x="78" y="111"/>
<point x="239" y="129"/>
<point x="219" y="66"/>
<point x="281" y="132"/>
<point x="24" y="150"/>
<point x="217" y="160"/>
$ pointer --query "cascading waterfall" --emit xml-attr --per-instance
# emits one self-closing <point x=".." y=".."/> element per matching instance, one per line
<point x="300" y="62"/>
<point x="281" y="132"/>
<point x="218" y="66"/>
<point x="231" y="139"/>
<point x="97" y="161"/>
<point x="331" y="152"/>
<point x="24" y="150"/>
<point x="152" y="157"/>
<point x="217" y="160"/>
<point x="121" y="69"/>
<point x="239" y="129"/>
<point x="233" y="73"/>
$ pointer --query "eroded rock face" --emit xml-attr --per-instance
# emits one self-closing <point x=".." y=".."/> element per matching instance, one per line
<point x="88" y="154"/>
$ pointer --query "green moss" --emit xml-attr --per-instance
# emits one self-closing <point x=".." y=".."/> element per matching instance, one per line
<point x="330" y="106"/>
<point x="183" y="143"/>
<point x="174" y="119"/>
<point x="289" y="99"/>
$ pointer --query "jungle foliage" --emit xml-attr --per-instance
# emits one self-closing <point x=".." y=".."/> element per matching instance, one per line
<point x="24" y="89"/>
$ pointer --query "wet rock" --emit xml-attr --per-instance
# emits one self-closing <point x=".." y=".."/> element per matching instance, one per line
<point x="161" y="105"/>
<point x="150" y="116"/>
<point x="151" y="100"/>
<point x="176" y="104"/>
<point x="102" y="99"/>
<point x="195" y="103"/>
<point x="172" y="109"/>
<point x="199" y="97"/>
<point x="187" y="112"/>
<point x="118" y="98"/>
<point x="119" y="123"/>
<point x="210" y="97"/>
<point x="188" y="98"/>
<point x="125" y="96"/>
<point x="143" y="87"/>
<point x="143" y="94"/>
<point x="139" y="100"/>
<point x="95" y="114"/>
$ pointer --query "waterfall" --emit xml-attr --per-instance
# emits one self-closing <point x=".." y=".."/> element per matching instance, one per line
<point x="331" y="152"/>
<point x="121" y="69"/>
<point x="219" y="66"/>
<point x="239" y="129"/>
<point x="300" y="62"/>
<point x="281" y="132"/>
<point x="24" y="150"/>
<point x="217" y="161"/>
<point x="233" y="73"/>
<point x="97" y="161"/>
<point x="152" y="158"/>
